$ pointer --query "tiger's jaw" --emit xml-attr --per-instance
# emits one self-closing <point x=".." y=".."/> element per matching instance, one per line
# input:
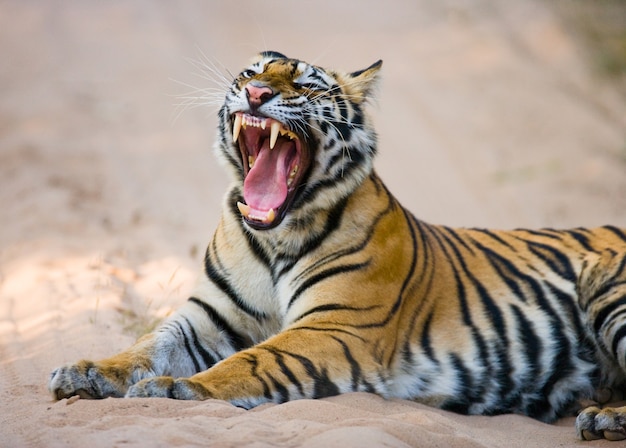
<point x="274" y="162"/>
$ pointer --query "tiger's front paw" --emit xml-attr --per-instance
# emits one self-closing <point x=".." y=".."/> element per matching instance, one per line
<point x="86" y="379"/>
<point x="609" y="423"/>
<point x="168" y="387"/>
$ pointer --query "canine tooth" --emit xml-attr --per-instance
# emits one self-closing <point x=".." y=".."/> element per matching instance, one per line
<point x="236" y="127"/>
<point x="243" y="209"/>
<point x="275" y="127"/>
<point x="250" y="161"/>
<point x="270" y="216"/>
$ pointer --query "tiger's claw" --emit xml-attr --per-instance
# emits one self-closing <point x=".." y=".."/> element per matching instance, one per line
<point x="608" y="423"/>
<point x="84" y="379"/>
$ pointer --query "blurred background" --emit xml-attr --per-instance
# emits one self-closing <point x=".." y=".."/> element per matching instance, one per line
<point x="489" y="114"/>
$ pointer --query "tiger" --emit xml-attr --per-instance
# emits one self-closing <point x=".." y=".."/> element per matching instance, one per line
<point x="318" y="282"/>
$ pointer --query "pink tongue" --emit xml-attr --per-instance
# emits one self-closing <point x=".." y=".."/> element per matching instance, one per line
<point x="265" y="186"/>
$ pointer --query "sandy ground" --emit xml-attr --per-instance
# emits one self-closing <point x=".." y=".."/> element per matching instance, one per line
<point x="487" y="114"/>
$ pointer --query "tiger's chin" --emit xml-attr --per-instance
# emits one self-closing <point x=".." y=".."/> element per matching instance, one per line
<point x="275" y="160"/>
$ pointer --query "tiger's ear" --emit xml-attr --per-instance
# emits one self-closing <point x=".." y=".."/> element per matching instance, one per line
<point x="363" y="82"/>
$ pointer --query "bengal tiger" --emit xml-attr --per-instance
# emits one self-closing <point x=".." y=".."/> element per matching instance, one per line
<point x="319" y="282"/>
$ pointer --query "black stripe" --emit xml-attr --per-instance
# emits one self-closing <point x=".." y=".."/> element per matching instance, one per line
<point x="460" y="286"/>
<point x="285" y="370"/>
<point x="506" y="269"/>
<point x="500" y="368"/>
<point x="316" y="188"/>
<point x="456" y="237"/>
<point x="405" y="284"/>
<point x="465" y="392"/>
<point x="236" y="339"/>
<point x="617" y="232"/>
<point x="605" y="311"/>
<point x="208" y="358"/>
<point x="554" y="258"/>
<point x="425" y="340"/>
<point x="340" y="157"/>
<point x="294" y="68"/>
<point x="343" y="269"/>
<point x="600" y="292"/>
<point x="279" y="388"/>
<point x="427" y="281"/>
<point x="326" y="330"/>
<point x="493" y="311"/>
<point x="272" y="54"/>
<point x="222" y="283"/>
<point x="344" y="252"/>
<point x="494" y="237"/>
<point x="621" y="266"/>
<point x="333" y="221"/>
<point x="545" y="233"/>
<point x="349" y="250"/>
<point x="355" y="368"/>
<point x="322" y="385"/>
<point x="465" y="311"/>
<point x="334" y="307"/>
<point x="561" y="365"/>
<point x="501" y="346"/>
<point x="427" y="250"/>
<point x="192" y="355"/>
<point x="254" y="365"/>
<point x="583" y="240"/>
<point x="618" y="336"/>
<point x="569" y="304"/>
<point x="258" y="250"/>
<point x="532" y="346"/>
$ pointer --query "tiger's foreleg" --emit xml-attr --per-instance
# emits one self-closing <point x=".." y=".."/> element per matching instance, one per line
<point x="109" y="377"/>
<point x="182" y="346"/>
<point x="602" y="296"/>
<point x="298" y="363"/>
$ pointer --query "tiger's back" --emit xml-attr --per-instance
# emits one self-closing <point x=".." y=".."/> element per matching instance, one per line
<point x="318" y="282"/>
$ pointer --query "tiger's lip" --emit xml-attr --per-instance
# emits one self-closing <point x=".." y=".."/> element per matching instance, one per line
<point x="291" y="150"/>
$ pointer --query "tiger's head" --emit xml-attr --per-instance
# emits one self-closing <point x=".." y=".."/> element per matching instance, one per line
<point x="296" y="136"/>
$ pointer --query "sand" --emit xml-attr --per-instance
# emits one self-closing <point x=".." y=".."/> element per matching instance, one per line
<point x="488" y="115"/>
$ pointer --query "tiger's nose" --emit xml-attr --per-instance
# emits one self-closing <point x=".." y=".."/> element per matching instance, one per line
<point x="258" y="94"/>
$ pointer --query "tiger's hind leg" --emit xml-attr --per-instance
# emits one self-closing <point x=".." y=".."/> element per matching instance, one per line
<point x="602" y="296"/>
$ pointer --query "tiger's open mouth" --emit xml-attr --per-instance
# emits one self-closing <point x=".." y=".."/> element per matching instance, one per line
<point x="274" y="161"/>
